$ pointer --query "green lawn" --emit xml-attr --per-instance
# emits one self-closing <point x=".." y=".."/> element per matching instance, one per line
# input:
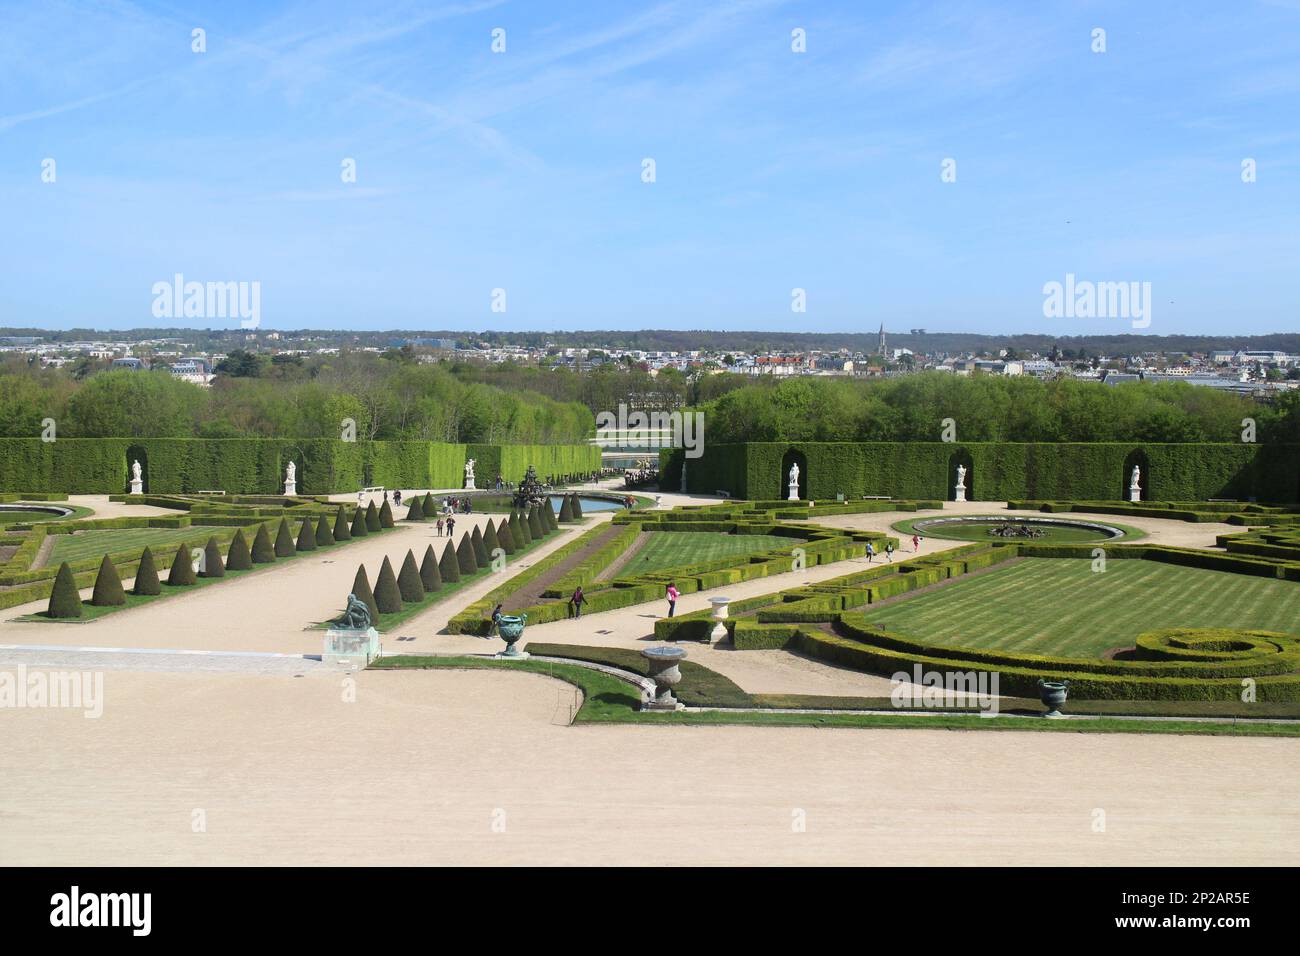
<point x="1060" y="607"/>
<point x="673" y="549"/>
<point x="96" y="543"/>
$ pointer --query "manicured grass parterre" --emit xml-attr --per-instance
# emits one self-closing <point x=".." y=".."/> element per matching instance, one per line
<point x="673" y="549"/>
<point x="1061" y="607"/>
<point x="94" y="543"/>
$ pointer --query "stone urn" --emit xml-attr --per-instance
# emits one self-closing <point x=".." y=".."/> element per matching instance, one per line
<point x="1053" y="693"/>
<point x="511" y="628"/>
<point x="719" y="631"/>
<point x="664" y="672"/>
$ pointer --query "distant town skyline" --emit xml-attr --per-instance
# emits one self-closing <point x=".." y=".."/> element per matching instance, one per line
<point x="812" y="167"/>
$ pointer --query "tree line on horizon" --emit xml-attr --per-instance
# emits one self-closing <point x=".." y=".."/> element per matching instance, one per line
<point x="394" y="395"/>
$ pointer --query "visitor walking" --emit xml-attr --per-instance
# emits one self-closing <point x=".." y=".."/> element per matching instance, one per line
<point x="889" y="551"/>
<point x="916" y="543"/>
<point x="577" y="601"/>
<point x="397" y="496"/>
<point x="440" y="527"/>
<point x="451" y="526"/>
<point x="871" y="552"/>
<point x="496" y="621"/>
<point x="673" y="595"/>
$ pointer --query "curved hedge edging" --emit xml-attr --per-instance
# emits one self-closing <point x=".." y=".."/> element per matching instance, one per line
<point x="1273" y="664"/>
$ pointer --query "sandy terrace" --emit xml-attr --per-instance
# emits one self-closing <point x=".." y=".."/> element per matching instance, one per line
<point x="423" y="764"/>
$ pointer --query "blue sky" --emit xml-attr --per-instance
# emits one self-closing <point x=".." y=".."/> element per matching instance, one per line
<point x="775" y="170"/>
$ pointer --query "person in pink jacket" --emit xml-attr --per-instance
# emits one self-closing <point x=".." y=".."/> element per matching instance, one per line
<point x="673" y="595"/>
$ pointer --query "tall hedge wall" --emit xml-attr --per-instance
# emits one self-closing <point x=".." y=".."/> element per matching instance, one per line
<point x="997" y="471"/>
<point x="257" y="465"/>
<point x="511" y="461"/>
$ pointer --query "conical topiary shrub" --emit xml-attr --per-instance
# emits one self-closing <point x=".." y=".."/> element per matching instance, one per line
<point x="465" y="556"/>
<point x="324" y="536"/>
<point x="182" y="571"/>
<point x="506" y="537"/>
<point x="263" y="550"/>
<point x="535" y="525"/>
<point x="548" y="517"/>
<point x="449" y="567"/>
<point x="409" y="584"/>
<point x="341" y="531"/>
<point x="65" y="600"/>
<point x="359" y="527"/>
<point x="385" y="515"/>
<point x="416" y="511"/>
<point x="213" y="566"/>
<point x="372" y="517"/>
<point x="146" y="575"/>
<point x="430" y="576"/>
<point x="519" y="528"/>
<point x="387" y="595"/>
<point x="361" y="588"/>
<point x="577" y="506"/>
<point x="480" y="549"/>
<point x="566" y="511"/>
<point x="491" y="543"/>
<point x="108" y="586"/>
<point x="430" y="506"/>
<point x="237" y="556"/>
<point x="284" y="540"/>
<point x="307" y="536"/>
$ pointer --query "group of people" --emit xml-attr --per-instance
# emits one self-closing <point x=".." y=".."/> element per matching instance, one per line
<point x="579" y="599"/>
<point x="448" y="523"/>
<point x="889" y="549"/>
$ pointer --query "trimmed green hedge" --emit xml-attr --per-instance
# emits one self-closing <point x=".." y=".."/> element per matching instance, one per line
<point x="997" y="470"/>
<point x="257" y="465"/>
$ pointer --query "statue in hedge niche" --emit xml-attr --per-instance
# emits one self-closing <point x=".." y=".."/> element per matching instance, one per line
<point x="469" y="475"/>
<point x="137" y="478"/>
<point x="794" y="481"/>
<point x="291" y="478"/>
<point x="1135" y="486"/>
<point x="959" y="489"/>
<point x="357" y="615"/>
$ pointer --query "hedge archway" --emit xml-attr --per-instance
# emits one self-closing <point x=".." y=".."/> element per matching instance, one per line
<point x="137" y="453"/>
<point x="961" y="457"/>
<point x="793" y="457"/>
<point x="1139" y="458"/>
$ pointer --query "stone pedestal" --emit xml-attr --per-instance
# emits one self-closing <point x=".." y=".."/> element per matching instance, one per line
<point x="664" y="672"/>
<point x="719" y="631"/>
<point x="469" y="485"/>
<point x="290" y="487"/>
<point x="959" y="492"/>
<point x="794" y="491"/>
<point x="349" y="645"/>
<point x="1135" y="492"/>
<point x="137" y="486"/>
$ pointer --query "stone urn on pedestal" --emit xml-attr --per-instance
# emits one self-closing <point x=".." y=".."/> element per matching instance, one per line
<point x="719" y="615"/>
<point x="664" y="672"/>
<point x="1053" y="693"/>
<point x="511" y="628"/>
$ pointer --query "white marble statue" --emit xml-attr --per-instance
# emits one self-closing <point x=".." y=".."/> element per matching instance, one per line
<point x="137" y="478"/>
<point x="1135" y="486"/>
<point x="469" y="475"/>
<point x="794" y="481"/>
<point x="291" y="479"/>
<point x="959" y="490"/>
